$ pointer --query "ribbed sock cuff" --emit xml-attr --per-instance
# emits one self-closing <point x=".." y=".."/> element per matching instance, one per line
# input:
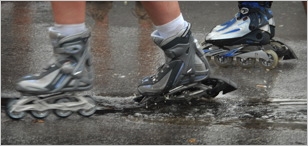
<point x="69" y="29"/>
<point x="172" y="27"/>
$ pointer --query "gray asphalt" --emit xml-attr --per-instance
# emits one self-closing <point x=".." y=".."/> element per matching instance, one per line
<point x="269" y="107"/>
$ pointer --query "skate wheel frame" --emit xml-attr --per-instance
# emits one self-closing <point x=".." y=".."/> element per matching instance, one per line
<point x="246" y="63"/>
<point x="88" y="112"/>
<point x="62" y="113"/>
<point x="64" y="106"/>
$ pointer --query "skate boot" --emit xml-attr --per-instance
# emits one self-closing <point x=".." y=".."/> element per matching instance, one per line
<point x="247" y="38"/>
<point x="185" y="74"/>
<point x="69" y="70"/>
<point x="253" y="25"/>
<point x="182" y="65"/>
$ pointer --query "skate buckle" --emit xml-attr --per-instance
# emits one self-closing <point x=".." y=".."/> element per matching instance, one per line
<point x="77" y="73"/>
<point x="244" y="10"/>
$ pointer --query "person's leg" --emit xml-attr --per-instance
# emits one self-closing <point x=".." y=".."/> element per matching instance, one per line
<point x="69" y="17"/>
<point x="166" y="16"/>
<point x="70" y="68"/>
<point x="162" y="12"/>
<point x="69" y="12"/>
<point x="305" y="6"/>
<point x="183" y="66"/>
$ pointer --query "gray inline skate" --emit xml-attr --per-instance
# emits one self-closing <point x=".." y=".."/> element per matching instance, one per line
<point x="68" y="71"/>
<point x="247" y="38"/>
<point x="185" y="76"/>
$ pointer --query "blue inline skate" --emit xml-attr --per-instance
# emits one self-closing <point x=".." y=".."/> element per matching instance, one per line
<point x="247" y="38"/>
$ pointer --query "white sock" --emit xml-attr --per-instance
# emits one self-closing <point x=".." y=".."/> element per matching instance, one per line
<point x="171" y="28"/>
<point x="69" y="29"/>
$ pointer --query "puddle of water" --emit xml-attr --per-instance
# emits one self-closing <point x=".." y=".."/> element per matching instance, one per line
<point x="253" y="113"/>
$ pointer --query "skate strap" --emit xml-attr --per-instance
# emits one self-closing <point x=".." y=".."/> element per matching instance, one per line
<point x="183" y="40"/>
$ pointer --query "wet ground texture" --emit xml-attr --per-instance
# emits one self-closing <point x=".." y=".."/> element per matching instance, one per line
<point x="268" y="108"/>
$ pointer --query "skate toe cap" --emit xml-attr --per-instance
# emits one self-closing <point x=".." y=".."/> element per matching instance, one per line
<point x="148" y="90"/>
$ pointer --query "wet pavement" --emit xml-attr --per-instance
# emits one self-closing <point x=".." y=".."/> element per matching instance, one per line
<point x="269" y="107"/>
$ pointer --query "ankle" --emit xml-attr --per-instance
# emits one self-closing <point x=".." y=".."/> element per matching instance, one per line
<point x="69" y="29"/>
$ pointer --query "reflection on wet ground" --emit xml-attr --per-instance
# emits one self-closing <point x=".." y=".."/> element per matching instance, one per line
<point x="251" y="113"/>
<point x="124" y="53"/>
<point x="126" y="59"/>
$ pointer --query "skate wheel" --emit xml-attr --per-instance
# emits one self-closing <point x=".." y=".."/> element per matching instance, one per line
<point x="40" y="114"/>
<point x="272" y="62"/>
<point x="278" y="46"/>
<point x="62" y="113"/>
<point x="222" y="61"/>
<point x="246" y="63"/>
<point x="88" y="112"/>
<point x="12" y="114"/>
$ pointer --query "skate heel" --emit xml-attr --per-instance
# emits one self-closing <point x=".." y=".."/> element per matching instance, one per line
<point x="219" y="85"/>
<point x="283" y="51"/>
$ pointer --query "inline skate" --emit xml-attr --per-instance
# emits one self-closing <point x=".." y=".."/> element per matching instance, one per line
<point x="54" y="89"/>
<point x="247" y="38"/>
<point x="185" y="76"/>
